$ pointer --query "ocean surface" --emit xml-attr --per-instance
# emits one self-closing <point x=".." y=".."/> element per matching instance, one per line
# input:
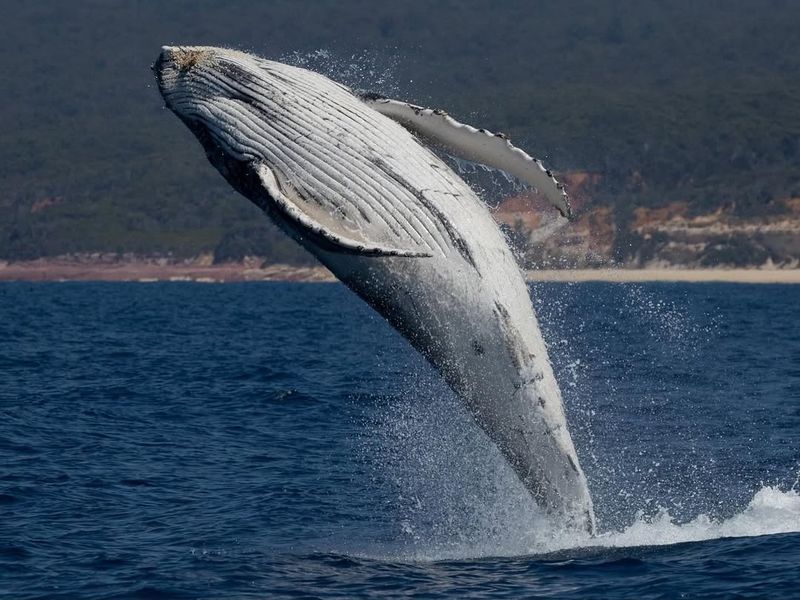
<point x="180" y="440"/>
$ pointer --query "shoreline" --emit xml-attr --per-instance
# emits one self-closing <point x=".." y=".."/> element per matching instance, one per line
<point x="42" y="270"/>
<point x="622" y="275"/>
<point x="157" y="271"/>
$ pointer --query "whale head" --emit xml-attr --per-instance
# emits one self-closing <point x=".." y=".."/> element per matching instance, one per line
<point x="202" y="85"/>
<point x="213" y="91"/>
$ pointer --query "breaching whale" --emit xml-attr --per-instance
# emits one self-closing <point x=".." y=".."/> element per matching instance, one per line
<point x="348" y="178"/>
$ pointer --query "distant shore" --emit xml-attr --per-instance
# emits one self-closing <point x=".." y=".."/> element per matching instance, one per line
<point x="669" y="275"/>
<point x="146" y="271"/>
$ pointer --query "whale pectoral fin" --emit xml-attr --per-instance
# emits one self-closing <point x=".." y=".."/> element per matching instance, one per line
<point x="477" y="145"/>
<point x="330" y="235"/>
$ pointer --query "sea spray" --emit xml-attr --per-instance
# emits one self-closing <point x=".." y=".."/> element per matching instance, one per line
<point x="365" y="70"/>
<point x="658" y="472"/>
<point x="770" y="511"/>
<point x="456" y="498"/>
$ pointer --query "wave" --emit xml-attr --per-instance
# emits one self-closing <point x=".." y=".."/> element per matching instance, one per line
<point x="771" y="511"/>
<point x="454" y="497"/>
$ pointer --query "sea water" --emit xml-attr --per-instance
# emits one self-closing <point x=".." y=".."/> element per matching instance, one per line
<point x="184" y="440"/>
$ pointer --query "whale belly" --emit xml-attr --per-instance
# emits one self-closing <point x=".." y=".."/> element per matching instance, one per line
<point x="465" y="306"/>
<point x="481" y="333"/>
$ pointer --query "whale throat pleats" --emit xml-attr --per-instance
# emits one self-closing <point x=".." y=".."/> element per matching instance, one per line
<point x="319" y="145"/>
<point x="322" y="227"/>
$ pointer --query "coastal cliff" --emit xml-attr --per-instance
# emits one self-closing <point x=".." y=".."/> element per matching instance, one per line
<point x="671" y="235"/>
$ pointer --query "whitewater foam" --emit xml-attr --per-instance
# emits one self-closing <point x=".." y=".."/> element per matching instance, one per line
<point x="771" y="511"/>
<point x="455" y="498"/>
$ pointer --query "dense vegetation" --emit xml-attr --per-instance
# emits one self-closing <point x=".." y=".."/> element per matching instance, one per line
<point x="669" y="99"/>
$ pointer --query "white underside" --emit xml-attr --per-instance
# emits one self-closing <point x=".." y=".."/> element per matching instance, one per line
<point x="464" y="305"/>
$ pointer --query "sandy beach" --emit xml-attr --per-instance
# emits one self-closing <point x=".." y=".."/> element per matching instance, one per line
<point x="669" y="275"/>
<point x="146" y="271"/>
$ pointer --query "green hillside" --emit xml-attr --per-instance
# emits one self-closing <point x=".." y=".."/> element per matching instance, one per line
<point x="670" y="100"/>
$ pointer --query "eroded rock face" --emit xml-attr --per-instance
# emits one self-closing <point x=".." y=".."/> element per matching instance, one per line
<point x="667" y="236"/>
<point x="672" y="236"/>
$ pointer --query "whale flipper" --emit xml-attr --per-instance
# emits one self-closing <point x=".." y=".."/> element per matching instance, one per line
<point x="477" y="145"/>
<point x="333" y="235"/>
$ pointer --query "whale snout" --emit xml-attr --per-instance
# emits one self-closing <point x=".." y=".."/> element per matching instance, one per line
<point x="202" y="86"/>
<point x="165" y="70"/>
<point x="165" y="57"/>
<point x="175" y="62"/>
<point x="186" y="68"/>
<point x="183" y="58"/>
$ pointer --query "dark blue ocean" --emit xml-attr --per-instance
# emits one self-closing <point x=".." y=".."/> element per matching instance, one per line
<point x="272" y="440"/>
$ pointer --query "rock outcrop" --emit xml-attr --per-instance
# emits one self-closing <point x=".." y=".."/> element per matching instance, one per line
<point x="668" y="236"/>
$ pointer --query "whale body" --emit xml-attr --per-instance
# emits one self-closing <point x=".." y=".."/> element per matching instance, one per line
<point x="349" y="179"/>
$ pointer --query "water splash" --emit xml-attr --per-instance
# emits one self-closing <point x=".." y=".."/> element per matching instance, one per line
<point x="644" y="386"/>
<point x="770" y="511"/>
<point x="452" y="495"/>
<point x="450" y="491"/>
<point x="364" y="70"/>
<point x="490" y="184"/>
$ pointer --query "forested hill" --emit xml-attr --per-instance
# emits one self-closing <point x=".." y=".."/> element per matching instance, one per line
<point x="676" y="100"/>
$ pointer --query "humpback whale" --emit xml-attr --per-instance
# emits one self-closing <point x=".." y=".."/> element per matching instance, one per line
<point x="354" y="180"/>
